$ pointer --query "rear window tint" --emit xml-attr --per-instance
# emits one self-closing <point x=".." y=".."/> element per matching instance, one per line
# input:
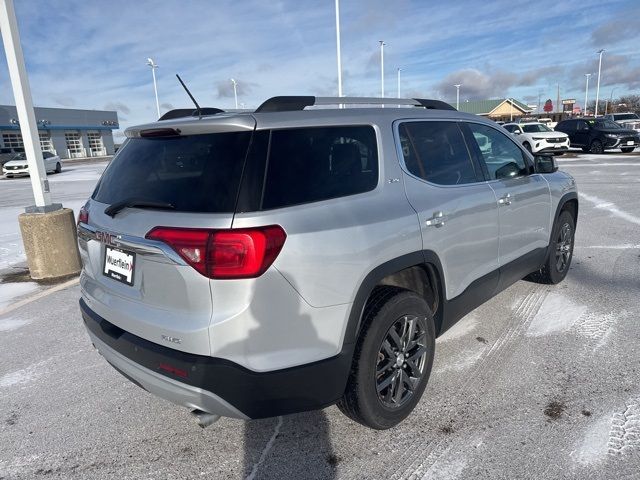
<point x="313" y="164"/>
<point x="196" y="173"/>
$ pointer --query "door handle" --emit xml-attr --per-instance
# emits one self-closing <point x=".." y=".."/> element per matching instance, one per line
<point x="506" y="200"/>
<point x="436" y="221"/>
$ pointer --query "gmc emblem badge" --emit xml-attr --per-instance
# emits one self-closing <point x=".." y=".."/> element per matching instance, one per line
<point x="104" y="237"/>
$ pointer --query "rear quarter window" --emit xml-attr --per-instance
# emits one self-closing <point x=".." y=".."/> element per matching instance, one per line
<point x="319" y="163"/>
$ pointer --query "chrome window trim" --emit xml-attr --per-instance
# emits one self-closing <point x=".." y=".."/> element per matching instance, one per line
<point x="160" y="251"/>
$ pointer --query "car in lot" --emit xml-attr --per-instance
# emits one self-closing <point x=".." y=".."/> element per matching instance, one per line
<point x="8" y="153"/>
<point x="595" y="135"/>
<point x="258" y="264"/>
<point x="547" y="122"/>
<point x="18" y="166"/>
<point x="538" y="138"/>
<point x="626" y="120"/>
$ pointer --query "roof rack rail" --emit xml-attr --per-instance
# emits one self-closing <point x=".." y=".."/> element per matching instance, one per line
<point x="189" y="112"/>
<point x="293" y="103"/>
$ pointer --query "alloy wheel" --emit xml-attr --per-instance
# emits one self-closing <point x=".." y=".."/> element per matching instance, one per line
<point x="563" y="247"/>
<point x="401" y="361"/>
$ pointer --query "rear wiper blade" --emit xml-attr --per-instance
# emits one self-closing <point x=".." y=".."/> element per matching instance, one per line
<point x="114" y="208"/>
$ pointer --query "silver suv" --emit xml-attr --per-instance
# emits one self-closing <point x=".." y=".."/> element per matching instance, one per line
<point x="257" y="264"/>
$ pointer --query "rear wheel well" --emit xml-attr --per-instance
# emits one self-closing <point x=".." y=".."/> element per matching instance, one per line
<point x="423" y="280"/>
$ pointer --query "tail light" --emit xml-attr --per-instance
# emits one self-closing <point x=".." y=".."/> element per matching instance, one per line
<point x="224" y="254"/>
<point x="83" y="215"/>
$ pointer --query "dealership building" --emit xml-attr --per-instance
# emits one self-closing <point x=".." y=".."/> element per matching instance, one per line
<point x="69" y="133"/>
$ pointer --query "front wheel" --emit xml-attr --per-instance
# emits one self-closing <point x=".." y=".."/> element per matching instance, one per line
<point x="627" y="149"/>
<point x="58" y="167"/>
<point x="596" y="147"/>
<point x="560" y="251"/>
<point x="393" y="359"/>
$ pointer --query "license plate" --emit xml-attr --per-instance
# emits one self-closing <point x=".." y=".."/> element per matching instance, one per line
<point x="119" y="265"/>
<point x="557" y="146"/>
<point x="630" y="142"/>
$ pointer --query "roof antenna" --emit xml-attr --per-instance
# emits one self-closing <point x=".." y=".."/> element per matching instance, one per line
<point x="198" y="109"/>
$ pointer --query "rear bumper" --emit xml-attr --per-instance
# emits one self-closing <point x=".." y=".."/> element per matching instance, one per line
<point x="216" y="385"/>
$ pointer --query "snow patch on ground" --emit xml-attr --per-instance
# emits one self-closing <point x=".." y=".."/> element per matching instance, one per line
<point x="9" y="292"/>
<point x="557" y="314"/>
<point x="466" y="325"/>
<point x="21" y="377"/>
<point x="462" y="362"/>
<point x="10" y="324"/>
<point x="594" y="445"/>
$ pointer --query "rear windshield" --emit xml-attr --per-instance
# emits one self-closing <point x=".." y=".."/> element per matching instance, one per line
<point x="194" y="173"/>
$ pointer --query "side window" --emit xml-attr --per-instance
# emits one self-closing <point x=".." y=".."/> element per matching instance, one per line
<point x="502" y="156"/>
<point x="582" y="125"/>
<point x="436" y="152"/>
<point x="313" y="164"/>
<point x="509" y="128"/>
<point x="46" y="155"/>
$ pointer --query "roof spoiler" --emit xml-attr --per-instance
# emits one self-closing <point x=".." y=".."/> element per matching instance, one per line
<point x="189" y="112"/>
<point x="294" y="103"/>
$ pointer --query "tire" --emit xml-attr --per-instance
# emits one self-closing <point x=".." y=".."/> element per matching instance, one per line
<point x="627" y="149"/>
<point x="527" y="146"/>
<point x="552" y="272"/>
<point x="596" y="147"/>
<point x="376" y="360"/>
<point x="58" y="168"/>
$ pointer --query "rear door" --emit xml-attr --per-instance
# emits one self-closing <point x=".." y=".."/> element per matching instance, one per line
<point x="523" y="197"/>
<point x="142" y="285"/>
<point x="456" y="208"/>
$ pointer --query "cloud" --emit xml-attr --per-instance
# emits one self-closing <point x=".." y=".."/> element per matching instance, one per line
<point x="64" y="101"/>
<point x="616" y="30"/>
<point x="616" y="70"/>
<point x="225" y="88"/>
<point x="167" y="106"/>
<point x="475" y="84"/>
<point x="118" y="106"/>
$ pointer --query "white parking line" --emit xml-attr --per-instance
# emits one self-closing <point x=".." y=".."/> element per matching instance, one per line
<point x="610" y="247"/>
<point x="37" y="296"/>
<point x="610" y="207"/>
<point x="603" y="165"/>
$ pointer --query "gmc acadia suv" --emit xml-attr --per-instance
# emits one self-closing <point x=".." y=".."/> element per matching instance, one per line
<point x="257" y="264"/>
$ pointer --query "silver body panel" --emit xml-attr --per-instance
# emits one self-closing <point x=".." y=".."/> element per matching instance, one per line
<point x="297" y="311"/>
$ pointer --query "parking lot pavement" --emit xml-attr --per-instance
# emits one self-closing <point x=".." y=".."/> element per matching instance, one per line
<point x="540" y="382"/>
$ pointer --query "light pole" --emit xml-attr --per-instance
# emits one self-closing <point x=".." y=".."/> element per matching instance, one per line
<point x="511" y="109"/>
<point x="458" y="95"/>
<point x="382" y="68"/>
<point x="338" y="48"/>
<point x="235" y="91"/>
<point x="601" y="51"/>
<point x="606" y="105"/>
<point x="153" y="66"/>
<point x="586" y="92"/>
<point x="399" y="70"/>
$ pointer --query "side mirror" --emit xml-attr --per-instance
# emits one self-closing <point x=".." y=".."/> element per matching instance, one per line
<point x="516" y="132"/>
<point x="545" y="164"/>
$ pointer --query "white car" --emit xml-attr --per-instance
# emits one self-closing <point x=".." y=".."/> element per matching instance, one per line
<point x="538" y="138"/>
<point x="548" y="122"/>
<point x="18" y="166"/>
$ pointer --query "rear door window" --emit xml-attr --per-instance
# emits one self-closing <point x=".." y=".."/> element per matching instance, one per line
<point x="437" y="152"/>
<point x="194" y="173"/>
<point x="319" y="163"/>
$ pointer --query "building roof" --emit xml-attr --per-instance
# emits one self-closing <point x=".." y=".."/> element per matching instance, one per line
<point x="485" y="107"/>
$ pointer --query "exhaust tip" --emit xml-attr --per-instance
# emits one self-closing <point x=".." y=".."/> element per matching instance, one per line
<point x="204" y="419"/>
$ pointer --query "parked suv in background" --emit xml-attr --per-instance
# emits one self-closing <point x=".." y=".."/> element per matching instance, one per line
<point x="258" y="264"/>
<point x="628" y="120"/>
<point x="599" y="134"/>
<point x="538" y="138"/>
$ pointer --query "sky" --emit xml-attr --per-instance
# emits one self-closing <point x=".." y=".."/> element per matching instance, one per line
<point x="92" y="54"/>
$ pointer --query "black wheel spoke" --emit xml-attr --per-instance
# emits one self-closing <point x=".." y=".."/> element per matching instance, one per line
<point x="401" y="359"/>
